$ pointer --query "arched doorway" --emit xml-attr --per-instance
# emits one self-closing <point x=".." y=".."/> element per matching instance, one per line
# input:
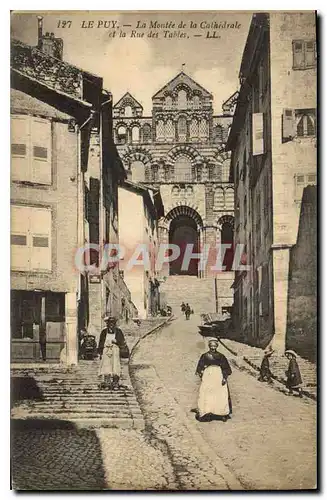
<point x="227" y="238"/>
<point x="184" y="229"/>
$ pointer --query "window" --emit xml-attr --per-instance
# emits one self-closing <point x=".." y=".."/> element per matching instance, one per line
<point x="121" y="134"/>
<point x="128" y="111"/>
<point x="170" y="130"/>
<point x="183" y="169"/>
<point x="168" y="102"/>
<point x="305" y="122"/>
<point x="203" y="128"/>
<point x="147" y="136"/>
<point x="218" y="133"/>
<point x="160" y="131"/>
<point x="225" y="171"/>
<point x="155" y="174"/>
<point x="196" y="102"/>
<point x="194" y="130"/>
<point x="257" y="134"/>
<point x="304" y="54"/>
<point x="31" y="149"/>
<point x="135" y="134"/>
<point x="30" y="238"/>
<point x="182" y="128"/>
<point x="301" y="181"/>
<point x="182" y="99"/>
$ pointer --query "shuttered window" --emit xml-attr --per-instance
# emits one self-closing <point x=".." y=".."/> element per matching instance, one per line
<point x="31" y="149"/>
<point x="304" y="54"/>
<point x="257" y="134"/>
<point x="30" y="238"/>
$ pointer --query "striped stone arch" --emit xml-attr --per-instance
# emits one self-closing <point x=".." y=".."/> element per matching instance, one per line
<point x="223" y="219"/>
<point x="134" y="123"/>
<point x="186" y="150"/>
<point x="182" y="86"/>
<point x="179" y="208"/>
<point x="136" y="154"/>
<point x="221" y="155"/>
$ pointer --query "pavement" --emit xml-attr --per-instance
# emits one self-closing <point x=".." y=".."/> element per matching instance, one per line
<point x="62" y="457"/>
<point x="269" y="443"/>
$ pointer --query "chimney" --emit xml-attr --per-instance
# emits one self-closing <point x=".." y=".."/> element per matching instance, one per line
<point x="48" y="43"/>
<point x="39" y="31"/>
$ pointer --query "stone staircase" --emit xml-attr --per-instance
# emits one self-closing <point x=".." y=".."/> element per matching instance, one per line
<point x="56" y="392"/>
<point x="199" y="293"/>
<point x="72" y="394"/>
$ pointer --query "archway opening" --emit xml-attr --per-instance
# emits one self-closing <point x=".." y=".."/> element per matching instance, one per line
<point x="183" y="231"/>
<point x="227" y="238"/>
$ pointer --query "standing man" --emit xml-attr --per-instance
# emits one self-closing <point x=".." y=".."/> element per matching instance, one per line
<point x="187" y="311"/>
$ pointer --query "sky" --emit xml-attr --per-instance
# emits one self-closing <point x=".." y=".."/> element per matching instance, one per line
<point x="142" y="65"/>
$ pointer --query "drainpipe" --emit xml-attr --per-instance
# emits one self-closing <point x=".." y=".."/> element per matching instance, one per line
<point x="80" y="211"/>
<point x="216" y="294"/>
<point x="101" y="204"/>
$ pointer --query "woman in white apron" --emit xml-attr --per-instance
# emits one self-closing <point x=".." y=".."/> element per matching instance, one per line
<point x="110" y="343"/>
<point x="214" y="399"/>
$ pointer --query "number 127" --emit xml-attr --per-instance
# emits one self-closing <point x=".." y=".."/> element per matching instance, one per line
<point x="64" y="24"/>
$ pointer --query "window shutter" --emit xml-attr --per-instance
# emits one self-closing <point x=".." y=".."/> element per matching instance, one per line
<point x="257" y="134"/>
<point x="40" y="228"/>
<point x="310" y="58"/>
<point x="298" y="54"/>
<point x="41" y="151"/>
<point x="19" y="148"/>
<point x="288" y="124"/>
<point x="20" y="254"/>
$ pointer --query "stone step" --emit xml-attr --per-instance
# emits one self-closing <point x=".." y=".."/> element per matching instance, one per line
<point x="124" y="410"/>
<point x="87" y="400"/>
<point x="93" y="421"/>
<point x="82" y="397"/>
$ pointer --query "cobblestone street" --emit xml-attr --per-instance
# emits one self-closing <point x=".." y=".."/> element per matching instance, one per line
<point x="268" y="443"/>
<point x="267" y="427"/>
<point x="64" y="457"/>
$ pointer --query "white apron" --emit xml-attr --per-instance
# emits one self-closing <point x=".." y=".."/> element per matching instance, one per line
<point x="213" y="397"/>
<point x="110" y="362"/>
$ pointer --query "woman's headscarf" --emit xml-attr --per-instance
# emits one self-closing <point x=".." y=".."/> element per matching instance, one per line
<point x="213" y="342"/>
<point x="292" y="353"/>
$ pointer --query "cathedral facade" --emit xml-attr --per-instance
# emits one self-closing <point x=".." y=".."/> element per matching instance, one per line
<point x="180" y="149"/>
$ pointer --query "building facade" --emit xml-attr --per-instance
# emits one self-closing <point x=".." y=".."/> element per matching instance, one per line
<point x="140" y="208"/>
<point x="273" y="145"/>
<point x="180" y="149"/>
<point x="65" y="172"/>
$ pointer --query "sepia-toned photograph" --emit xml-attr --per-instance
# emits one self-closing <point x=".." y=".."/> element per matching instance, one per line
<point x="163" y="251"/>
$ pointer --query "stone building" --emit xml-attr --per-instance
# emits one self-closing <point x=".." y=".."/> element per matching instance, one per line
<point x="64" y="195"/>
<point x="273" y="145"/>
<point x="180" y="149"/>
<point x="140" y="208"/>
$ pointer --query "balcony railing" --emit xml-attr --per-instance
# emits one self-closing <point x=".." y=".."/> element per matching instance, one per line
<point x="54" y="73"/>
